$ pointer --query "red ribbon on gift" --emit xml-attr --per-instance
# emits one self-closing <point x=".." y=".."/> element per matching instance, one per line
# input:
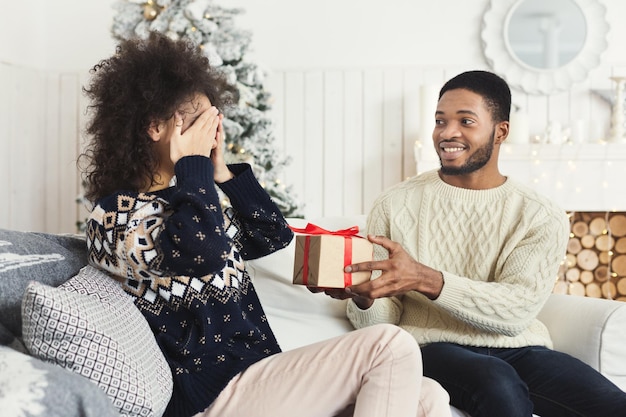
<point x="312" y="229"/>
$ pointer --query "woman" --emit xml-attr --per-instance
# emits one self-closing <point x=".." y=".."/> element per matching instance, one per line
<point x="154" y="162"/>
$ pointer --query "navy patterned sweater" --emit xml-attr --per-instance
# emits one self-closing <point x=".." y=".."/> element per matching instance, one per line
<point x="182" y="259"/>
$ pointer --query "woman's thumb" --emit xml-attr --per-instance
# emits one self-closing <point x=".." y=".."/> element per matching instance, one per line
<point x="178" y="121"/>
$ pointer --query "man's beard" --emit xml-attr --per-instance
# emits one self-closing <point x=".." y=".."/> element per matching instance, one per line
<point x="475" y="162"/>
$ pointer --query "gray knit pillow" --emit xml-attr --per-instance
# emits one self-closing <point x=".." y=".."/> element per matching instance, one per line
<point x="28" y="256"/>
<point x="31" y="387"/>
<point x="90" y="326"/>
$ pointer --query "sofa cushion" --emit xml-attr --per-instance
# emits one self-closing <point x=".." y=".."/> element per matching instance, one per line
<point x="590" y="329"/>
<point x="25" y="256"/>
<point x="90" y="326"/>
<point x="31" y="387"/>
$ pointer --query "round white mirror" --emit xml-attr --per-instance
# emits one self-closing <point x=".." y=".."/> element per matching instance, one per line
<point x="545" y="34"/>
<point x="543" y="47"/>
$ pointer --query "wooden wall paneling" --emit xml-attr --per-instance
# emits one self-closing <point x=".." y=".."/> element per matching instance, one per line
<point x="25" y="157"/>
<point x="333" y="137"/>
<point x="52" y="148"/>
<point x="393" y="120"/>
<point x="37" y="133"/>
<point x="82" y="141"/>
<point x="7" y="74"/>
<point x="275" y="85"/>
<point x="313" y="145"/>
<point x="14" y="149"/>
<point x="68" y="140"/>
<point x="373" y="96"/>
<point x="438" y="76"/>
<point x="294" y="131"/>
<point x="432" y="77"/>
<point x="412" y="80"/>
<point x="29" y="161"/>
<point x="354" y="148"/>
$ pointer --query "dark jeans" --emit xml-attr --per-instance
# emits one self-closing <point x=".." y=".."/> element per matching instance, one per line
<point x="519" y="382"/>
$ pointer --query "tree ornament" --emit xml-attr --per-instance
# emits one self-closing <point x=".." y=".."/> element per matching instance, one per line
<point x="151" y="10"/>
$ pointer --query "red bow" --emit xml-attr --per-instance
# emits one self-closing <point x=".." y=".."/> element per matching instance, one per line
<point x="312" y="229"/>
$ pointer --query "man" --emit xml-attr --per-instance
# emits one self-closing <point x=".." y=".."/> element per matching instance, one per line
<point x="467" y="258"/>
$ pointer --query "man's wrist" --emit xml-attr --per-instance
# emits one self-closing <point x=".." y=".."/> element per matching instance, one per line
<point x="362" y="302"/>
<point x="437" y="285"/>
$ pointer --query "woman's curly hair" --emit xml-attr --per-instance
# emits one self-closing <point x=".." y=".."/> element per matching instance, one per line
<point x="145" y="81"/>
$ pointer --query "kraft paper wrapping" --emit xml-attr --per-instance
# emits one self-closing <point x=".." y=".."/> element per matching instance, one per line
<point x="326" y="261"/>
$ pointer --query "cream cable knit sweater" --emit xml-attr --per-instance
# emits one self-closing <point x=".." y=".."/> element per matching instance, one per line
<point x="499" y="250"/>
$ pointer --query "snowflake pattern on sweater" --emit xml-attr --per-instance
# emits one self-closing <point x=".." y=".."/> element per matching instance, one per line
<point x="183" y="261"/>
<point x="153" y="288"/>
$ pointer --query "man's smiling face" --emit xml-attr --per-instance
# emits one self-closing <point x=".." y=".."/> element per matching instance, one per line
<point x="464" y="132"/>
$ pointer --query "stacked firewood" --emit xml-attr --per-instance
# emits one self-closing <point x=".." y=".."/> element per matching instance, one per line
<point x="595" y="263"/>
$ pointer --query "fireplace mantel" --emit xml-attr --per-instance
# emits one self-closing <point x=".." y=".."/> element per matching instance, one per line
<point x="579" y="177"/>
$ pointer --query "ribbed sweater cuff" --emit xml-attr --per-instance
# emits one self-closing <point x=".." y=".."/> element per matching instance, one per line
<point x="194" y="169"/>
<point x="453" y="292"/>
<point x="360" y="318"/>
<point x="244" y="187"/>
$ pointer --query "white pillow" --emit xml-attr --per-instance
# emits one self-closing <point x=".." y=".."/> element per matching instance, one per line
<point x="91" y="326"/>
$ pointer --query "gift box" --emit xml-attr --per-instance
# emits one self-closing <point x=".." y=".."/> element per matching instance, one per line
<point x="322" y="255"/>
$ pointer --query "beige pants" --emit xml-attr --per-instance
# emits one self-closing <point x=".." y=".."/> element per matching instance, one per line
<point x="371" y="372"/>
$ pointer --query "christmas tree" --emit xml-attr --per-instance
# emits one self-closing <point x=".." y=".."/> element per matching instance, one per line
<point x="248" y="128"/>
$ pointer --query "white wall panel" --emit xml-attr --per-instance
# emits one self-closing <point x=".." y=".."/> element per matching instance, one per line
<point x="373" y="97"/>
<point x="350" y="134"/>
<point x="393" y="120"/>
<point x="6" y="80"/>
<point x="353" y="144"/>
<point x="332" y="128"/>
<point x="293" y="130"/>
<point x="411" y="122"/>
<point x="83" y="102"/>
<point x="312" y="149"/>
<point x="69" y="139"/>
<point x="275" y="84"/>
<point x="22" y="158"/>
<point x="52" y="149"/>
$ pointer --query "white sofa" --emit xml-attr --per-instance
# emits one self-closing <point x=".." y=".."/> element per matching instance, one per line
<point x="592" y="330"/>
